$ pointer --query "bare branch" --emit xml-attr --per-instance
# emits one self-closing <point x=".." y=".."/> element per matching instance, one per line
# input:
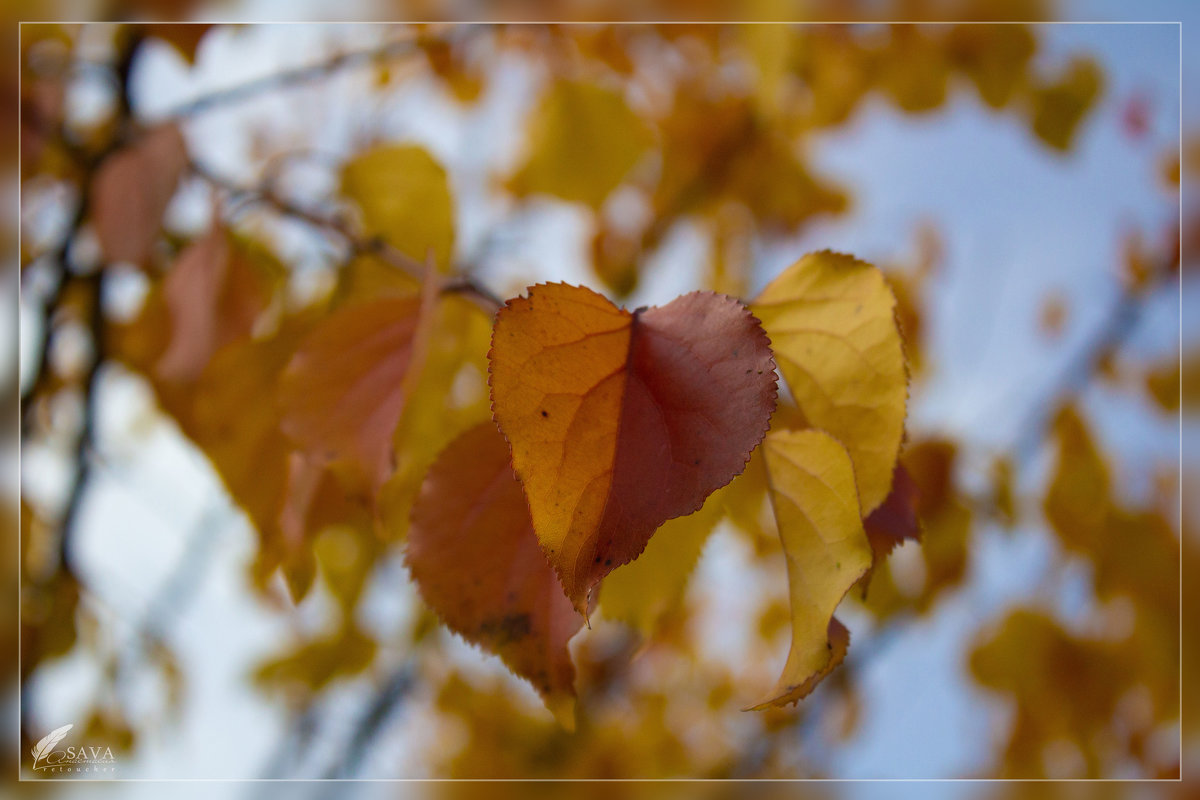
<point x="299" y="76"/>
<point x="358" y="244"/>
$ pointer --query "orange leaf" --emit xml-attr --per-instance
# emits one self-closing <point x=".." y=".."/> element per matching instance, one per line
<point x="620" y="421"/>
<point x="131" y="191"/>
<point x="476" y="561"/>
<point x="214" y="295"/>
<point x="343" y="392"/>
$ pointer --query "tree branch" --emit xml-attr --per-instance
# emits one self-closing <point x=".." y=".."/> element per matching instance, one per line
<point x="358" y="245"/>
<point x="295" y="77"/>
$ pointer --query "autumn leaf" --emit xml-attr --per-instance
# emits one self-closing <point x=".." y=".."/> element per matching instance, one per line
<point x="584" y="140"/>
<point x="131" y="190"/>
<point x="994" y="57"/>
<point x="643" y="592"/>
<point x="309" y="665"/>
<point x="1065" y="686"/>
<point x="404" y="197"/>
<point x="343" y="391"/>
<point x="895" y="521"/>
<point x="214" y="293"/>
<point x="477" y="563"/>
<point x="1175" y="379"/>
<point x="914" y="72"/>
<point x="619" y="421"/>
<point x="224" y="413"/>
<point x="447" y="393"/>
<point x="833" y="329"/>
<point x="945" y="526"/>
<point x="1077" y="500"/>
<point x="1060" y="105"/>
<point x="816" y="507"/>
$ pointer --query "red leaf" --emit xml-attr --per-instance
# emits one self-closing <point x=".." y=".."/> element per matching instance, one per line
<point x="343" y="391"/>
<point x="476" y="561"/>
<point x="131" y="191"/>
<point x="620" y="421"/>
<point x="214" y="296"/>
<point x="895" y="521"/>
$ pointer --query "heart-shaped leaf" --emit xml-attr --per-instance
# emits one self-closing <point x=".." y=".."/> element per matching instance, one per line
<point x="619" y="421"/>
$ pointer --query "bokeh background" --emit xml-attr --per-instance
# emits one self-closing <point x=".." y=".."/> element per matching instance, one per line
<point x="1021" y="187"/>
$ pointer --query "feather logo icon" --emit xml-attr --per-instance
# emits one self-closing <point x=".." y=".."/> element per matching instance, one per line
<point x="46" y="746"/>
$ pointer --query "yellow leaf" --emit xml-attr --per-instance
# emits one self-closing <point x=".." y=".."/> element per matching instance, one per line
<point x="1077" y="501"/>
<point x="645" y="591"/>
<point x="404" y="197"/>
<point x="1060" y="106"/>
<point x="584" y="139"/>
<point x="994" y="57"/>
<point x="836" y="70"/>
<point x="769" y="49"/>
<point x="816" y="507"/>
<point x="913" y="71"/>
<point x="1176" y="379"/>
<point x="310" y="665"/>
<point x="831" y="321"/>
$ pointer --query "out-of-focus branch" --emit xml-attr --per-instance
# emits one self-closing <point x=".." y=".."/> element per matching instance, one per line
<point x="386" y="699"/>
<point x="87" y="434"/>
<point x="358" y="245"/>
<point x="1111" y="334"/>
<point x="299" y="76"/>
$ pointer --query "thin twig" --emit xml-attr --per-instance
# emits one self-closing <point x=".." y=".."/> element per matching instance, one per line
<point x="299" y="76"/>
<point x="358" y="245"/>
<point x="395" y="689"/>
<point x="1105" y="340"/>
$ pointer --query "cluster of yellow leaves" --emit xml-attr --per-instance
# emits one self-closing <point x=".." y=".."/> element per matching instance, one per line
<point x="1108" y="694"/>
<point x="709" y="141"/>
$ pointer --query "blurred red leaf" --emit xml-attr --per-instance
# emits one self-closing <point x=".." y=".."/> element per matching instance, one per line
<point x="131" y="190"/>
<point x="214" y="294"/>
<point x="343" y="391"/>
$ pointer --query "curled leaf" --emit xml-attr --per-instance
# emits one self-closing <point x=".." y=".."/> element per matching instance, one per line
<point x="619" y="421"/>
<point x="831" y="319"/>
<point x="816" y="508"/>
<point x="476" y="561"/>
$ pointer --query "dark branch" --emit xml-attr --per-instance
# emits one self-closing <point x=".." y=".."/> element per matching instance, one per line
<point x="358" y="244"/>
<point x="295" y="77"/>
